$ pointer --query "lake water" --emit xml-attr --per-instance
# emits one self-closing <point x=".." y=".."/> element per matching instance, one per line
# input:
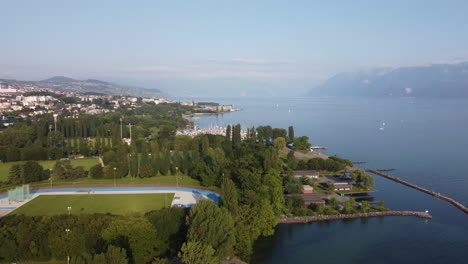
<point x="425" y="140"/>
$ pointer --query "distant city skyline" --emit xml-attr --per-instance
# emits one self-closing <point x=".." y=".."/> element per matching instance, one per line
<point x="183" y="45"/>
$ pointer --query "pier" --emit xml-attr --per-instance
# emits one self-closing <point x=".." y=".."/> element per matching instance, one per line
<point x="318" y="147"/>
<point x="318" y="218"/>
<point x="414" y="186"/>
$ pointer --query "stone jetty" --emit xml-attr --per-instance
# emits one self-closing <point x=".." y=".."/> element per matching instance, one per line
<point x="317" y="218"/>
<point x="414" y="186"/>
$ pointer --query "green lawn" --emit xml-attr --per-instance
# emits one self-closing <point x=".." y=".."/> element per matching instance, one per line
<point x="95" y="203"/>
<point x="87" y="163"/>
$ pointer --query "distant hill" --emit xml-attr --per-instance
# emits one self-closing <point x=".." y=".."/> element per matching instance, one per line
<point x="59" y="79"/>
<point x="65" y="84"/>
<point x="437" y="80"/>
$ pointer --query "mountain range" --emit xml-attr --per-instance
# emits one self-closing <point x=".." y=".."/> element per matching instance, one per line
<point x="65" y="84"/>
<point x="435" y="80"/>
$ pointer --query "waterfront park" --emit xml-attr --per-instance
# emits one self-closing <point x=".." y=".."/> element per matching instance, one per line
<point x="99" y="196"/>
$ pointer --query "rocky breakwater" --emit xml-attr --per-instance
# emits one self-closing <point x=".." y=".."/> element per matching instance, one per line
<point x="316" y="218"/>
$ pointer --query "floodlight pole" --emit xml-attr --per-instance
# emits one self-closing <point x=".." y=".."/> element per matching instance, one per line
<point x="68" y="254"/>
<point x="130" y="124"/>
<point x="115" y="182"/>
<point x="51" y="177"/>
<point x="176" y="176"/>
<point x="55" y="121"/>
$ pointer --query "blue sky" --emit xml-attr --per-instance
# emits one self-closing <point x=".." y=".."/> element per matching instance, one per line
<point x="268" y="42"/>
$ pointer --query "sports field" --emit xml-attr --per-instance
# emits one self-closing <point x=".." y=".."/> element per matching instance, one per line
<point x="87" y="163"/>
<point x="95" y="203"/>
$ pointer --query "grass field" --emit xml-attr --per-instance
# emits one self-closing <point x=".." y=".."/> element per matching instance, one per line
<point x="87" y="163"/>
<point x="95" y="203"/>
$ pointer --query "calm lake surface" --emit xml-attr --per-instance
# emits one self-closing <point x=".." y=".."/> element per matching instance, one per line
<point x="425" y="140"/>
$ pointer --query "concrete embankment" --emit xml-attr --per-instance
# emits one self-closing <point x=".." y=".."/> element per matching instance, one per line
<point x="308" y="219"/>
<point x="414" y="186"/>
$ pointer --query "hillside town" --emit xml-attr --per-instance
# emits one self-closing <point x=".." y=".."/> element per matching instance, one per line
<point x="19" y="101"/>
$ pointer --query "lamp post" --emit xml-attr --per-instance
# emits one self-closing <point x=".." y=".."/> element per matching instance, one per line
<point x="115" y="182"/>
<point x="67" y="230"/>
<point x="130" y="166"/>
<point x="50" y="177"/>
<point x="176" y="176"/>
<point x="130" y="125"/>
<point x="55" y="121"/>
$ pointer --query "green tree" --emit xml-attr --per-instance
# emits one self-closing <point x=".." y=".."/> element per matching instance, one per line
<point x="279" y="143"/>
<point x="381" y="204"/>
<point x="32" y="171"/>
<point x="230" y="197"/>
<point x="64" y="170"/>
<point x="172" y="230"/>
<point x="204" y="174"/>
<point x="279" y="132"/>
<point x="291" y="134"/>
<point x="133" y="156"/>
<point x="333" y="203"/>
<point x="296" y="201"/>
<point x="365" y="206"/>
<point x="116" y="255"/>
<point x="274" y="190"/>
<point x="349" y="206"/>
<point x="146" y="170"/>
<point x="228" y="133"/>
<point x="211" y="225"/>
<point x="15" y="175"/>
<point x="302" y="143"/>
<point x="96" y="172"/>
<point x="252" y="222"/>
<point x="292" y="161"/>
<point x="156" y="156"/>
<point x="139" y="233"/>
<point x="360" y="177"/>
<point x="197" y="253"/>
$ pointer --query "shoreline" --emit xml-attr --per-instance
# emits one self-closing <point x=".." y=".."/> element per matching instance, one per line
<point x="217" y="113"/>
<point x="309" y="219"/>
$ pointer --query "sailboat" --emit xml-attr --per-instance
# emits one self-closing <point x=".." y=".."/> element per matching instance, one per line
<point x="382" y="128"/>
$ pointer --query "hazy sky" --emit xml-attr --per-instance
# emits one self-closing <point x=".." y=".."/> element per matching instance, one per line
<point x="262" y="41"/>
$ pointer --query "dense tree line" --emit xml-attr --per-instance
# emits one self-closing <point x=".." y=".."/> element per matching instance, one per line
<point x="37" y="139"/>
<point x="88" y="238"/>
<point x="28" y="172"/>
